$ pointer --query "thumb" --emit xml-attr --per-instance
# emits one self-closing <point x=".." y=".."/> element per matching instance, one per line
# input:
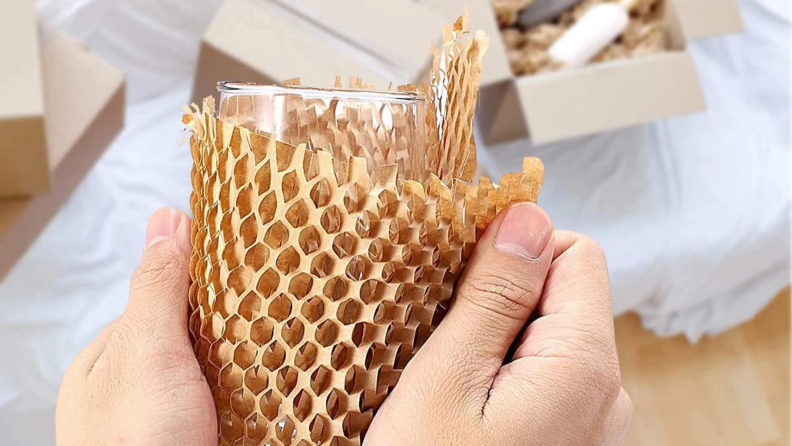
<point x="499" y="290"/>
<point x="159" y="290"/>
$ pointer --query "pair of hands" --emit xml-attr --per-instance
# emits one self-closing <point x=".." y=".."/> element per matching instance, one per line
<point x="525" y="356"/>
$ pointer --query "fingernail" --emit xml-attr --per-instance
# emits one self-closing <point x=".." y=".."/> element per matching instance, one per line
<point x="162" y="225"/>
<point x="184" y="231"/>
<point x="524" y="231"/>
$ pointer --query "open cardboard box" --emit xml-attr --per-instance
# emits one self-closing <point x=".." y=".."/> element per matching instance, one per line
<point x="269" y="41"/>
<point x="24" y="169"/>
<point x="603" y="96"/>
<point x="85" y="111"/>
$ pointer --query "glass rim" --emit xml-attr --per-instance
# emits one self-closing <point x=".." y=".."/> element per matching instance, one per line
<point x="233" y="87"/>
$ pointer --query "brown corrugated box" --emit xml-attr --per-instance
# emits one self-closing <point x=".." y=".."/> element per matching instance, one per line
<point x="268" y="41"/>
<point x="603" y="96"/>
<point x="85" y="112"/>
<point x="24" y="168"/>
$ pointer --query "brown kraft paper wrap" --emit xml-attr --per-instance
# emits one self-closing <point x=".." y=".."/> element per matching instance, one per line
<point x="316" y="278"/>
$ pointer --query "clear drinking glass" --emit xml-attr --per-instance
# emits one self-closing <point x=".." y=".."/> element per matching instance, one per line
<point x="382" y="127"/>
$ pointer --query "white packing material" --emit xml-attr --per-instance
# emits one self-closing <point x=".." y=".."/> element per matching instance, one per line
<point x="598" y="27"/>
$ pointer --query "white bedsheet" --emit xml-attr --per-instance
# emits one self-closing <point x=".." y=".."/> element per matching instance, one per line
<point x="693" y="213"/>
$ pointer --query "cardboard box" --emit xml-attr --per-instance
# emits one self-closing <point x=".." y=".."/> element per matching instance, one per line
<point x="24" y="169"/>
<point x="269" y="41"/>
<point x="85" y="111"/>
<point x="604" y="96"/>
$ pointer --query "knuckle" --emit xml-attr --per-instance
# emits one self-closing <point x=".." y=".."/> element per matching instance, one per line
<point x="584" y="366"/>
<point x="158" y="270"/>
<point x="628" y="407"/>
<point x="75" y="372"/>
<point x="586" y="360"/>
<point x="591" y="249"/>
<point x="599" y="377"/>
<point x="620" y="419"/>
<point x="170" y="353"/>
<point x="499" y="293"/>
<point x="172" y="362"/>
<point x="593" y="266"/>
<point x="610" y="383"/>
<point x="142" y="337"/>
<point x="123" y="338"/>
<point x="140" y="343"/>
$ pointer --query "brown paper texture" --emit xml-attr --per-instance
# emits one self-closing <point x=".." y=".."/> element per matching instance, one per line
<point x="24" y="169"/>
<point x="316" y="278"/>
<point x="495" y="66"/>
<point x="81" y="123"/>
<point x="507" y="11"/>
<point x="527" y="50"/>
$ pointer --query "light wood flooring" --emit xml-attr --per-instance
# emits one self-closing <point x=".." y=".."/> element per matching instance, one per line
<point x="733" y="389"/>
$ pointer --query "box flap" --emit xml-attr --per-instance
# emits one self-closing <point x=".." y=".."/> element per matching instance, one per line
<point x="20" y="77"/>
<point x="85" y="112"/>
<point x="83" y="85"/>
<point x="281" y="43"/>
<point x="241" y="28"/>
<point x="609" y="95"/>
<point x="496" y="65"/>
<point x="24" y="168"/>
<point x="707" y="18"/>
<point x="395" y="33"/>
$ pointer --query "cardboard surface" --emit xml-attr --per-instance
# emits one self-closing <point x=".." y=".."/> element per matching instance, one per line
<point x="501" y="117"/>
<point x="24" y="168"/>
<point x="394" y="34"/>
<point x="708" y="18"/>
<point x="609" y="96"/>
<point x="85" y="111"/>
<point x="269" y="41"/>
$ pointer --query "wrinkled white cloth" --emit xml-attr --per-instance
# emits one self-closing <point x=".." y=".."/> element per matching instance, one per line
<point x="693" y="212"/>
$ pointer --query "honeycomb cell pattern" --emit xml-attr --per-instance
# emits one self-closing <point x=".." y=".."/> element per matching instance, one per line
<point x="303" y="325"/>
<point x="319" y="271"/>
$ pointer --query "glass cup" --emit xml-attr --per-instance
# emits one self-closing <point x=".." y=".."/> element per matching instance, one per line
<point x="385" y="128"/>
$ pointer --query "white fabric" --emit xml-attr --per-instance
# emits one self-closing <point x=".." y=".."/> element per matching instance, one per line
<point x="693" y="213"/>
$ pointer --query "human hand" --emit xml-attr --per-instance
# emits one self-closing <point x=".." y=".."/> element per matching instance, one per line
<point x="526" y="354"/>
<point x="139" y="382"/>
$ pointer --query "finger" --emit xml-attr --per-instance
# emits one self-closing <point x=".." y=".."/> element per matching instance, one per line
<point x="577" y="256"/>
<point x="575" y="309"/>
<point x="566" y="358"/>
<point x="499" y="289"/>
<point x="158" y="294"/>
<point x="162" y="225"/>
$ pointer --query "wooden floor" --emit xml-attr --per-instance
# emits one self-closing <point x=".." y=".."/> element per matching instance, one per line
<point x="729" y="390"/>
